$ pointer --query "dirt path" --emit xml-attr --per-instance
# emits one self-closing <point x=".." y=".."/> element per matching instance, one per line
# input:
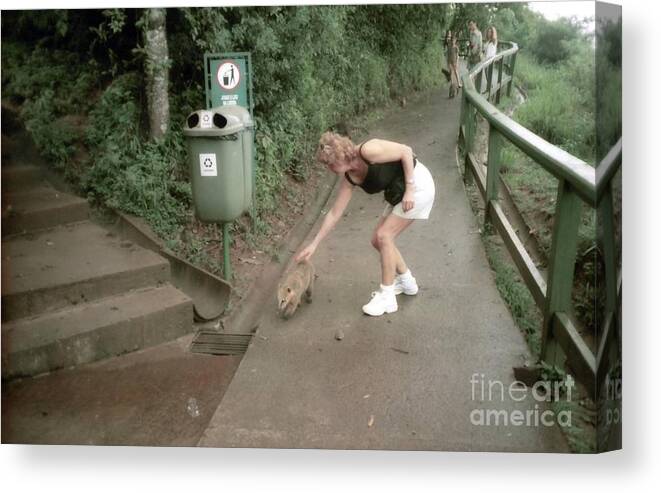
<point x="401" y="381"/>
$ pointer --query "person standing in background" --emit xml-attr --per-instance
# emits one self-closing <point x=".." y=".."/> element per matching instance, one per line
<point x="447" y="42"/>
<point x="475" y="48"/>
<point x="453" y="65"/>
<point x="491" y="46"/>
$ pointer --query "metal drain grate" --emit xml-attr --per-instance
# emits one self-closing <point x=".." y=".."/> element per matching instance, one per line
<point x="219" y="343"/>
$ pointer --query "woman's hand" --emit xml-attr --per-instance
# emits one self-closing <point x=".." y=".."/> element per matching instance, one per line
<point x="306" y="253"/>
<point x="407" y="201"/>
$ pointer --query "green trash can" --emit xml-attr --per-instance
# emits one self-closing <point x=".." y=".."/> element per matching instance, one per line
<point x="220" y="150"/>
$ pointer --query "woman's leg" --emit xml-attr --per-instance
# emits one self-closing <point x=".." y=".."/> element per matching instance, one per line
<point x="455" y="76"/>
<point x="386" y="233"/>
<point x="400" y="265"/>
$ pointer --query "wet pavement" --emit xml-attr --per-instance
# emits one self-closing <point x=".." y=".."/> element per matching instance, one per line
<point x="410" y="380"/>
<point x="163" y="396"/>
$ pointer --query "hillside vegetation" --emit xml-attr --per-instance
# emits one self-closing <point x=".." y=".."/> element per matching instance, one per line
<point x="78" y="77"/>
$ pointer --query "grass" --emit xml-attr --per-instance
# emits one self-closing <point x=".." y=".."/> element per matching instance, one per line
<point x="560" y="108"/>
<point x="534" y="191"/>
<point x="514" y="292"/>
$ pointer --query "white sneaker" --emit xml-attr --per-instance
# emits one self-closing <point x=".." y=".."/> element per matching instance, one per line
<point x="381" y="302"/>
<point x="407" y="286"/>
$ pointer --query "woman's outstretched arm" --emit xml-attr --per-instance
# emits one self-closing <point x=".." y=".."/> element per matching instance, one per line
<point x="330" y="220"/>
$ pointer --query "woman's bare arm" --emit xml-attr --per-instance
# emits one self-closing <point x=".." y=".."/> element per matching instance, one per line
<point x="336" y="211"/>
<point x="330" y="220"/>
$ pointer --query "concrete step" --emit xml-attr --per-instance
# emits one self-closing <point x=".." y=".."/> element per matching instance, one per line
<point x="17" y="177"/>
<point x="39" y="207"/>
<point x="93" y="331"/>
<point x="72" y="264"/>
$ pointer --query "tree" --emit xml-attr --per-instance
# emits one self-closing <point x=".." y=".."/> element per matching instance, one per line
<point x="157" y="65"/>
<point x="553" y="41"/>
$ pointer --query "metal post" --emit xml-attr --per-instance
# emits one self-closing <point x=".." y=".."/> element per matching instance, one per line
<point x="253" y="202"/>
<point x="469" y="134"/>
<point x="489" y="80"/>
<point x="478" y="81"/>
<point x="227" y="265"/>
<point x="493" y="169"/>
<point x="561" y="266"/>
<point x="607" y="244"/>
<point x="500" y="79"/>
<point x="471" y="117"/>
<point x="509" y="83"/>
<point x="463" y="115"/>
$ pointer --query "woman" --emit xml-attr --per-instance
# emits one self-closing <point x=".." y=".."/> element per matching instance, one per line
<point x="453" y="65"/>
<point x="447" y="44"/>
<point x="378" y="166"/>
<point x="447" y="39"/>
<point x="491" y="45"/>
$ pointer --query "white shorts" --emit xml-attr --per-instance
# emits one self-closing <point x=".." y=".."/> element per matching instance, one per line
<point x="423" y="196"/>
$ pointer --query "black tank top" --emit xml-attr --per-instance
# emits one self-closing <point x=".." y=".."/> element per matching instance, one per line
<point x="381" y="176"/>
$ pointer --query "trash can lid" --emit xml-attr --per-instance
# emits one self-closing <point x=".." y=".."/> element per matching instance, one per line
<point x="218" y="121"/>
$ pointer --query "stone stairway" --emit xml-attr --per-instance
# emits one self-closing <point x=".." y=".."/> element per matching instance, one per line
<point x="73" y="292"/>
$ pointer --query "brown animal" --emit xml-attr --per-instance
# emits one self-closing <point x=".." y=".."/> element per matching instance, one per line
<point x="297" y="283"/>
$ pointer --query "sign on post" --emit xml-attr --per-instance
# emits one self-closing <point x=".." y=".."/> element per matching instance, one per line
<point x="228" y="79"/>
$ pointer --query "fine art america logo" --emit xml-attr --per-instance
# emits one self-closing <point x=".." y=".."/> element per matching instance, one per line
<point x="518" y="405"/>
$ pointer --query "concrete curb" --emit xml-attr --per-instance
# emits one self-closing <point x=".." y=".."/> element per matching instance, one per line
<point x="210" y="293"/>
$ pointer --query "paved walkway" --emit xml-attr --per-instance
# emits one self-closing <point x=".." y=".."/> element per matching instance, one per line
<point x="400" y="381"/>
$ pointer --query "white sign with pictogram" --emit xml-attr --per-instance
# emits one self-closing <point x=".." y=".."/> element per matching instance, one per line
<point x="208" y="165"/>
<point x="228" y="75"/>
<point x="206" y="119"/>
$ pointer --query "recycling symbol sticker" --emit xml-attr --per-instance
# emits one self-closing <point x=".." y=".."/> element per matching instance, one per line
<point x="208" y="165"/>
<point x="206" y="120"/>
<point x="228" y="75"/>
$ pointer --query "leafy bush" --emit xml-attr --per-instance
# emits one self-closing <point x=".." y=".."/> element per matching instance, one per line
<point x="553" y="41"/>
<point x="312" y="68"/>
<point x="146" y="179"/>
<point x="561" y="102"/>
<point x="55" y="139"/>
<point x="609" y="84"/>
<point x="50" y="84"/>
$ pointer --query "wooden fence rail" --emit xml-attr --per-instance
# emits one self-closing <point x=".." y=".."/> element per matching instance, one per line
<point x="577" y="182"/>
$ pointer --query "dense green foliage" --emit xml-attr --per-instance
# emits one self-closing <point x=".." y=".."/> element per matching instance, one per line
<point x="560" y="104"/>
<point x="513" y="21"/>
<point x="559" y="72"/>
<point x="609" y="84"/>
<point x="50" y="84"/>
<point x="313" y="67"/>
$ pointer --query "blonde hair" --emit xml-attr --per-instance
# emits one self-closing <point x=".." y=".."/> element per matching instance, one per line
<point x="334" y="148"/>
<point x="494" y="35"/>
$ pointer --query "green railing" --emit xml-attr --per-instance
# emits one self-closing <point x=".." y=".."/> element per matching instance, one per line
<point x="577" y="182"/>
